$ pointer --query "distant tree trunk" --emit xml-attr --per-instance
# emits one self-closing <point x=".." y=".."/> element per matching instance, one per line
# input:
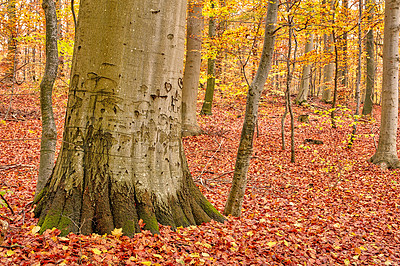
<point x="235" y="199"/>
<point x="343" y="66"/>
<point x="209" y="96"/>
<point x="122" y="157"/>
<point x="49" y="130"/>
<point x="386" y="154"/>
<point x="329" y="67"/>
<point x="358" y="82"/>
<point x="369" y="47"/>
<point x="11" y="58"/>
<point x="191" y="74"/>
<point x="302" y="96"/>
<point x="328" y="70"/>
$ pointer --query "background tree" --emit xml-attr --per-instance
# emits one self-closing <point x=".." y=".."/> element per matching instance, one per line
<point x="122" y="157"/>
<point x="49" y="130"/>
<point x="386" y="154"/>
<point x="369" y="47"/>
<point x="235" y="199"/>
<point x="191" y="74"/>
<point x="302" y="96"/>
<point x="206" y="109"/>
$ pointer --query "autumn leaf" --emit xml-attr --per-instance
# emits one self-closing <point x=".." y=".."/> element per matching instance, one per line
<point x="117" y="232"/>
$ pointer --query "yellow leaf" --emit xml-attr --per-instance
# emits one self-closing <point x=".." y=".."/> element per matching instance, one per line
<point x="286" y="243"/>
<point x="146" y="263"/>
<point x="10" y="253"/>
<point x="250" y="233"/>
<point x="65" y="248"/>
<point x="205" y="254"/>
<point x="117" y="232"/>
<point x="158" y="256"/>
<point x="35" y="229"/>
<point x="271" y="244"/>
<point x="363" y="248"/>
<point x="346" y="262"/>
<point x="357" y="251"/>
<point x="194" y="255"/>
<point x="96" y="251"/>
<point x="3" y="122"/>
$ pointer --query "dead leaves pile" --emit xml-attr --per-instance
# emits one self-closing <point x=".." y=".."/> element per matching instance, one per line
<point x="329" y="208"/>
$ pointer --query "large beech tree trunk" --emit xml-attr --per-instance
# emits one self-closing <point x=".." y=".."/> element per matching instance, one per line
<point x="191" y="75"/>
<point x="235" y="199"/>
<point x="122" y="157"/>
<point x="49" y="129"/>
<point x="386" y="154"/>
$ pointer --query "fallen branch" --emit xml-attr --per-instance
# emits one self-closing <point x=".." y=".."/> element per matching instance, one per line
<point x="8" y="205"/>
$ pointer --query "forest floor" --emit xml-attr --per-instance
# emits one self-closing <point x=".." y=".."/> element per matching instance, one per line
<point x="330" y="207"/>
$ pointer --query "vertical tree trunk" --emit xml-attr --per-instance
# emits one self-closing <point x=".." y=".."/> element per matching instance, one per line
<point x="191" y="74"/>
<point x="11" y="58"/>
<point x="329" y="67"/>
<point x="235" y="199"/>
<point x="369" y="47"/>
<point x="386" y="154"/>
<point x="208" y="99"/>
<point x="122" y="157"/>
<point x="328" y="70"/>
<point x="49" y="130"/>
<point x="343" y="66"/>
<point x="302" y="96"/>
<point x="358" y="82"/>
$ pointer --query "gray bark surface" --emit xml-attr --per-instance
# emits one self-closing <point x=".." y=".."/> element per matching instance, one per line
<point x="191" y="74"/>
<point x="302" y="96"/>
<point x="369" y="47"/>
<point x="235" y="199"/>
<point x="49" y="130"/>
<point x="122" y="157"/>
<point x="386" y="153"/>
<point x="206" y="109"/>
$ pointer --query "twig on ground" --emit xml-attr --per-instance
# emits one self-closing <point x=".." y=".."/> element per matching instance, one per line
<point x="8" y="205"/>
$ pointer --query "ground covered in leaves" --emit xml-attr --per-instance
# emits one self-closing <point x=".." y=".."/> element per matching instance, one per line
<point x="330" y="207"/>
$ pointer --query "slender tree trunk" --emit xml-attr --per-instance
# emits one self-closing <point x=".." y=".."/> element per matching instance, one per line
<point x="49" y="130"/>
<point x="369" y="47"/>
<point x="122" y="157"/>
<point x="235" y="199"/>
<point x="343" y="66"/>
<point x="329" y="67"/>
<point x="209" y="96"/>
<point x="328" y="70"/>
<point x="302" y="96"/>
<point x="11" y="58"/>
<point x="358" y="82"/>
<point x="386" y="154"/>
<point x="191" y="74"/>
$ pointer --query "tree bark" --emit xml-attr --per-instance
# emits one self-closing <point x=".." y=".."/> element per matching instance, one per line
<point x="191" y="74"/>
<point x="206" y="109"/>
<point x="369" y="47"/>
<point x="329" y="67"/>
<point x="122" y="158"/>
<point x="49" y="129"/>
<point x="235" y="199"/>
<point x="328" y="70"/>
<point x="386" y="153"/>
<point x="11" y="42"/>
<point x="302" y="96"/>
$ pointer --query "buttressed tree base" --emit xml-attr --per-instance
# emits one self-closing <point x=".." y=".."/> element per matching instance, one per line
<point x="122" y="158"/>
